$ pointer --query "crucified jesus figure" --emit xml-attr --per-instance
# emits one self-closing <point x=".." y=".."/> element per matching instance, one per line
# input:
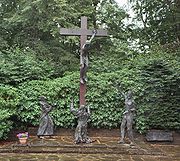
<point x="84" y="62"/>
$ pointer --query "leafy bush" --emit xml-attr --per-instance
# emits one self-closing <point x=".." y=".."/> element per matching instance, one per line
<point x="19" y="65"/>
<point x="102" y="96"/>
<point x="106" y="105"/>
<point x="153" y="78"/>
<point x="9" y="100"/>
<point x="160" y="102"/>
<point x="59" y="91"/>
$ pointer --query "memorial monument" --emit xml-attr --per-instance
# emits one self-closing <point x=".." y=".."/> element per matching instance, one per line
<point x="83" y="112"/>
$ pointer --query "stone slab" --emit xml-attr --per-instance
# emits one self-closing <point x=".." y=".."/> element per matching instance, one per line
<point x="159" y="135"/>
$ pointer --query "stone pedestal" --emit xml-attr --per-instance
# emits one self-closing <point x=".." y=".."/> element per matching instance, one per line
<point x="159" y="135"/>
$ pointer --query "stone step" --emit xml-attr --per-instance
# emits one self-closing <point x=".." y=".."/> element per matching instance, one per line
<point x="82" y="149"/>
<point x="62" y="144"/>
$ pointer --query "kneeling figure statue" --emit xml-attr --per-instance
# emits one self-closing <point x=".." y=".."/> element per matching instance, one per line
<point x="82" y="114"/>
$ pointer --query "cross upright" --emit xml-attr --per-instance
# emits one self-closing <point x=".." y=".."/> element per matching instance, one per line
<point x="83" y="32"/>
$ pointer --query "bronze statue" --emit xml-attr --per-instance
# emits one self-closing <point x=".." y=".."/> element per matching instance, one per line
<point x="83" y="113"/>
<point x="84" y="62"/>
<point x="127" y="120"/>
<point x="46" y="123"/>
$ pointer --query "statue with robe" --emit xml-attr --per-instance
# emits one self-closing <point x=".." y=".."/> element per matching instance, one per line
<point x="46" y="123"/>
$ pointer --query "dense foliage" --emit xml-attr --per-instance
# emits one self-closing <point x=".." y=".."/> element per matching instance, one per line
<point x="9" y="100"/>
<point x="35" y="60"/>
<point x="35" y="25"/>
<point x="153" y="78"/>
<point x="158" y="22"/>
<point x="18" y="66"/>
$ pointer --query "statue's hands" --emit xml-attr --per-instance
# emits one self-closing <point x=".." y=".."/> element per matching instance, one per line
<point x="88" y="109"/>
<point x="133" y="110"/>
<point x="120" y="89"/>
<point x="95" y="31"/>
<point x="72" y="104"/>
<point x="125" y="112"/>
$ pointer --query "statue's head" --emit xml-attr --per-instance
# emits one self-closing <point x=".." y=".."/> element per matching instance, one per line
<point x="82" y="108"/>
<point x="129" y="94"/>
<point x="87" y="42"/>
<point x="86" y="46"/>
<point x="42" y="98"/>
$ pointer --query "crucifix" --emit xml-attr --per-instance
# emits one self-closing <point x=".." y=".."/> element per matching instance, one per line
<point x="83" y="32"/>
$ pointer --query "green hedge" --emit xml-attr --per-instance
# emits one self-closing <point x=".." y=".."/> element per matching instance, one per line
<point x="101" y="95"/>
<point x="57" y="91"/>
<point x="18" y="65"/>
<point x="154" y="79"/>
<point x="160" y="74"/>
<point x="9" y="100"/>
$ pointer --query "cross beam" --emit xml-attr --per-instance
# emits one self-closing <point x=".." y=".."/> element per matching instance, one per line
<point x="83" y="32"/>
<point x="78" y="32"/>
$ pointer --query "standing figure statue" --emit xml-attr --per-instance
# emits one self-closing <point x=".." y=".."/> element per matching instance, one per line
<point x="46" y="123"/>
<point x="127" y="120"/>
<point x="84" y="62"/>
<point x="83" y="113"/>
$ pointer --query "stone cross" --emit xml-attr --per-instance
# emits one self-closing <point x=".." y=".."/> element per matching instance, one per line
<point x="83" y="32"/>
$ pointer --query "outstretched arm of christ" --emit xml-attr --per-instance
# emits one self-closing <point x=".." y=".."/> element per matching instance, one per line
<point x="94" y="34"/>
<point x="86" y="46"/>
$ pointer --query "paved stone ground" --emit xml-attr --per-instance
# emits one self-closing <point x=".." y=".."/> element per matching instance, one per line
<point x="83" y="157"/>
<point x="62" y="148"/>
